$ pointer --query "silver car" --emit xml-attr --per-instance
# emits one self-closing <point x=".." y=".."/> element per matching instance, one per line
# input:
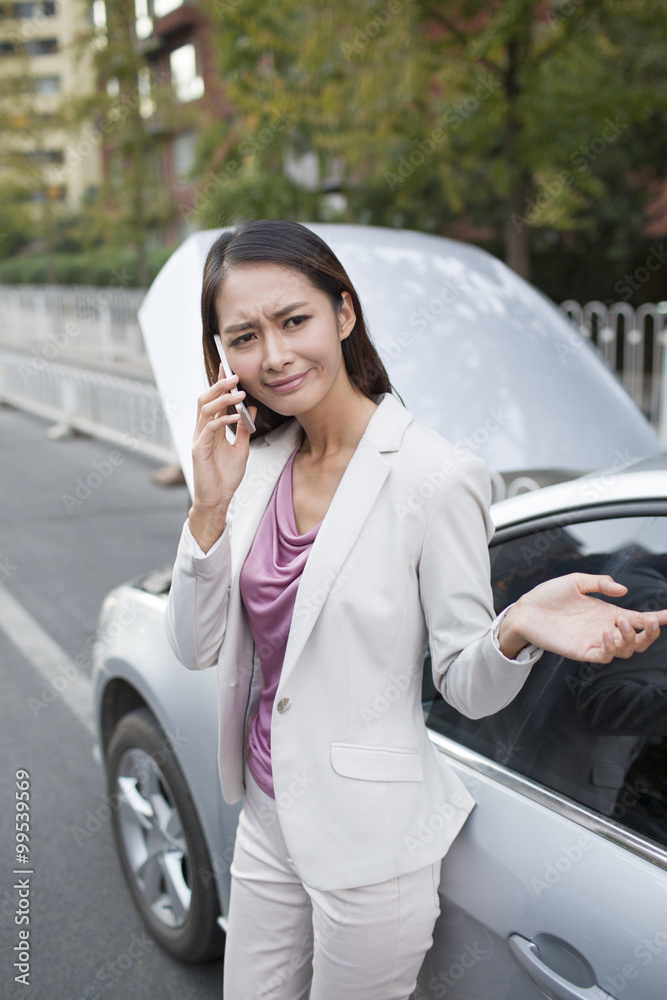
<point x="557" y="885"/>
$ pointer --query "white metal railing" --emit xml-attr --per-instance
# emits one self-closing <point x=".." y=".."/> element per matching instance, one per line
<point x="52" y="337"/>
<point x="88" y="324"/>
<point x="97" y="327"/>
<point x="633" y="342"/>
<point x="123" y="410"/>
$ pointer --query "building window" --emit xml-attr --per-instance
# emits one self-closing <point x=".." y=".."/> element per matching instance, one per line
<point x="41" y="47"/>
<point x="56" y="192"/>
<point x="183" y="65"/>
<point x="47" y="8"/>
<point x="99" y="14"/>
<point x="98" y="19"/>
<point x="42" y="156"/>
<point x="53" y="192"/>
<point x="303" y="169"/>
<point x="143" y="22"/>
<point x="162" y="7"/>
<point x="146" y="102"/>
<point x="183" y="151"/>
<point x="35" y="47"/>
<point x="46" y="84"/>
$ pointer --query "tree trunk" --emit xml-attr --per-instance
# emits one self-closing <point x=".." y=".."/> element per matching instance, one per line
<point x="516" y="235"/>
<point x="517" y="241"/>
<point x="49" y="235"/>
<point x="142" y="265"/>
<point x="140" y="182"/>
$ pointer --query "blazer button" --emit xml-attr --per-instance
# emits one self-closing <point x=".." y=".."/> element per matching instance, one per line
<point x="283" y="705"/>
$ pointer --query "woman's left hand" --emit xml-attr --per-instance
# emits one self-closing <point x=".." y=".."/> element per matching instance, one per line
<point x="559" y="615"/>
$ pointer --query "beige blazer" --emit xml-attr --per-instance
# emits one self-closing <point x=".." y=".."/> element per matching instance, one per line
<point x="400" y="561"/>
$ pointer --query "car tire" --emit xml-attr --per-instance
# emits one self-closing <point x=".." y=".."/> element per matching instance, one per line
<point x="160" y="842"/>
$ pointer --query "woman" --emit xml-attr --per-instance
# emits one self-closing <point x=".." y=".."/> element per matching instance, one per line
<point x="311" y="576"/>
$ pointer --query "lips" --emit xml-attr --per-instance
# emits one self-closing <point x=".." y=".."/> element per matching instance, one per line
<point x="285" y="384"/>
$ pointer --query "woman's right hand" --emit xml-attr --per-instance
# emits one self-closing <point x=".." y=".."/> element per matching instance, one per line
<point x="218" y="465"/>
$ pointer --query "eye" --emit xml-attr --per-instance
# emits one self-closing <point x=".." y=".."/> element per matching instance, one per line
<point x="299" y="320"/>
<point x="240" y="340"/>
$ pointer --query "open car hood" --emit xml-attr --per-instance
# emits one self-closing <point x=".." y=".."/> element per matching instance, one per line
<point x="473" y="350"/>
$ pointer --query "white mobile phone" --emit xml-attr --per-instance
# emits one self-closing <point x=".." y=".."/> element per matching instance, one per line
<point x="240" y="407"/>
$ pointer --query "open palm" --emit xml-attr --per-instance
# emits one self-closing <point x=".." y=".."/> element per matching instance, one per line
<point x="561" y="615"/>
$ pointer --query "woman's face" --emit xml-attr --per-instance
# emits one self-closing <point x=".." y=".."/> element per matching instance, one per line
<point x="282" y="336"/>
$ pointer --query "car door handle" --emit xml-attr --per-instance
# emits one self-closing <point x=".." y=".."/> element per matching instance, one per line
<point x="527" y="954"/>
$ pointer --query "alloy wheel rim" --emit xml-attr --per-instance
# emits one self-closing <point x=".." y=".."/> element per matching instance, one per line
<point x="153" y="838"/>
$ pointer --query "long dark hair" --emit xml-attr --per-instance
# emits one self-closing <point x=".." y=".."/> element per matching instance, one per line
<point x="288" y="244"/>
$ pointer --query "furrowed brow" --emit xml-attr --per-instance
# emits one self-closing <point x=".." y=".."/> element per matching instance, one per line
<point x="248" y="324"/>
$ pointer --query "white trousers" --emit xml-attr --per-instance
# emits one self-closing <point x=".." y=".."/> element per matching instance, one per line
<point x="288" y="941"/>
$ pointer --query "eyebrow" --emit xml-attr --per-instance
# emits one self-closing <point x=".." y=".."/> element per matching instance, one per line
<point x="248" y="323"/>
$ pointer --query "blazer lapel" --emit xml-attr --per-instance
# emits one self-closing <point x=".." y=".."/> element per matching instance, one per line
<point x="351" y="505"/>
<point x="265" y="463"/>
<point x="349" y="509"/>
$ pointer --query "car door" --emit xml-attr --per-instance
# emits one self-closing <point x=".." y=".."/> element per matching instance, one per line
<point x="557" y="885"/>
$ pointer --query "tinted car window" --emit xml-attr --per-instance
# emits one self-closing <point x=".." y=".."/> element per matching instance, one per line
<point x="596" y="733"/>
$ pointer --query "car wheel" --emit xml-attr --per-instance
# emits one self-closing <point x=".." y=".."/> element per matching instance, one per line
<point x="160" y="841"/>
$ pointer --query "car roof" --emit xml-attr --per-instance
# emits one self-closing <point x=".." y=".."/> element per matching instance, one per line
<point x="643" y="480"/>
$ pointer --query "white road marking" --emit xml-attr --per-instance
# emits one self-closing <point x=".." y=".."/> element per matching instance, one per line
<point x="64" y="681"/>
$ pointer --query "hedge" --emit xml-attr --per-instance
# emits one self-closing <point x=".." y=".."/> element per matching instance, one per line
<point x="93" y="267"/>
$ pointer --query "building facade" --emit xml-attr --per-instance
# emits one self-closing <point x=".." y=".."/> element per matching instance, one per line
<point x="41" y="69"/>
<point x="173" y="36"/>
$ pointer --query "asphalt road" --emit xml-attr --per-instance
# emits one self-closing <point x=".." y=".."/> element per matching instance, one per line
<point x="60" y="552"/>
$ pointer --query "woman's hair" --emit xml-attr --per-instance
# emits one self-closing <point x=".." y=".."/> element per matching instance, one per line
<point x="288" y="244"/>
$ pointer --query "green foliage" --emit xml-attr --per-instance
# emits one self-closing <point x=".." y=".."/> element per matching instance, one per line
<point x="536" y="129"/>
<point x="527" y="120"/>
<point x="30" y="208"/>
<point x="102" y="266"/>
<point x="15" y="216"/>
<point x="133" y="112"/>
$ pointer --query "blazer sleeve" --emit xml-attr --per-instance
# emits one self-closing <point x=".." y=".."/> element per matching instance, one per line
<point x="196" y="617"/>
<point x="469" y="670"/>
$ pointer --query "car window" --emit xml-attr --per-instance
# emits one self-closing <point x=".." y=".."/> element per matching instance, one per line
<point x="596" y="733"/>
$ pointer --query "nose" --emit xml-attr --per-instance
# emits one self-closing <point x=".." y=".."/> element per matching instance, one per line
<point x="276" y="354"/>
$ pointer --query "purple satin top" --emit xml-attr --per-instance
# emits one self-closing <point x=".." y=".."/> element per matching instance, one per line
<point x="269" y="580"/>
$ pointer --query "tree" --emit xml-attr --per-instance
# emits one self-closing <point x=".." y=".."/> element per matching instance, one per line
<point x="31" y="182"/>
<point x="521" y="117"/>
<point x="132" y="112"/>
